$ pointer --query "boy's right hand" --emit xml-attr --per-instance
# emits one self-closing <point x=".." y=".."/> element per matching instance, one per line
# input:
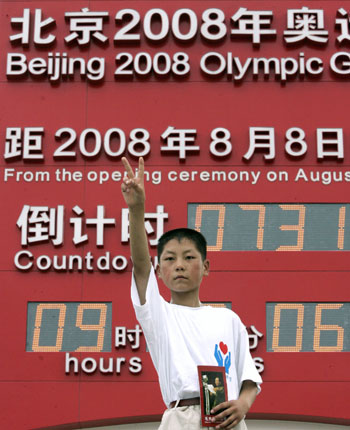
<point x="133" y="186"/>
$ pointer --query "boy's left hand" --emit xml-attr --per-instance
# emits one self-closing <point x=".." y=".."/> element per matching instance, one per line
<point x="234" y="412"/>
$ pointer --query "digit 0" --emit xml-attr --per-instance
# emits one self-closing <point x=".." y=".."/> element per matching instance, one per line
<point x="276" y="327"/>
<point x="221" y="221"/>
<point x="37" y="331"/>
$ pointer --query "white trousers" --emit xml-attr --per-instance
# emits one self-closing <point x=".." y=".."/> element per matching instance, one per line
<point x="187" y="418"/>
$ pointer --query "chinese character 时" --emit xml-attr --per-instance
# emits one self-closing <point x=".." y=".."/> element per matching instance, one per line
<point x="122" y="335"/>
<point x="179" y="140"/>
<point x="39" y="25"/>
<point x="40" y="224"/>
<point x="252" y="23"/>
<point x="26" y="145"/>
<point x="305" y="24"/>
<point x="159" y="216"/>
<point x="85" y="25"/>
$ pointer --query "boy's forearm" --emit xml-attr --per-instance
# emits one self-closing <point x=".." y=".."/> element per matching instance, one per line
<point x="235" y="410"/>
<point x="248" y="393"/>
<point x="138" y="240"/>
<point x="139" y="250"/>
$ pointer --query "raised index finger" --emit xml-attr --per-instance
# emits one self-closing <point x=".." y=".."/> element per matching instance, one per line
<point x="141" y="169"/>
<point x="128" y="168"/>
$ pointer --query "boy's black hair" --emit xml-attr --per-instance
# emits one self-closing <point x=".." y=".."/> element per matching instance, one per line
<point x="183" y="233"/>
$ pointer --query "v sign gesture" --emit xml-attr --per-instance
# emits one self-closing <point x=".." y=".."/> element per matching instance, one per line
<point x="134" y="195"/>
<point x="132" y="185"/>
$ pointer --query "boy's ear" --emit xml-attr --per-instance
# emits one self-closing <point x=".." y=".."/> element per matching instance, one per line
<point x="158" y="271"/>
<point x="206" y="267"/>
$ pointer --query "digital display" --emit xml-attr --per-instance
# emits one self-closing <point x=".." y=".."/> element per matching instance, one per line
<point x="308" y="327"/>
<point x="272" y="226"/>
<point x="69" y="326"/>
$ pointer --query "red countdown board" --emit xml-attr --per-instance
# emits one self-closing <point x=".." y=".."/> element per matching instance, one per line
<point x="240" y="110"/>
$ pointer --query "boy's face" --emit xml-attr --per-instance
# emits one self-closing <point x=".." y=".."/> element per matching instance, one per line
<point x="181" y="266"/>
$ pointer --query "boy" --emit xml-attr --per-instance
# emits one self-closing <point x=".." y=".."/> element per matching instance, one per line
<point x="183" y="334"/>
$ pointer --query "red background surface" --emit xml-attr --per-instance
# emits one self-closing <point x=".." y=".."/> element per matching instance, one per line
<point x="34" y="389"/>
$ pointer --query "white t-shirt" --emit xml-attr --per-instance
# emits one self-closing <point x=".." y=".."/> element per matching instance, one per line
<point x="181" y="337"/>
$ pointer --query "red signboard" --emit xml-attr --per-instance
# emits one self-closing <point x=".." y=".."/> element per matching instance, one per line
<point x="240" y="111"/>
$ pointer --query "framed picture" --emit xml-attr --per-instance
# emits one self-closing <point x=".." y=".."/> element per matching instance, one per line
<point x="213" y="391"/>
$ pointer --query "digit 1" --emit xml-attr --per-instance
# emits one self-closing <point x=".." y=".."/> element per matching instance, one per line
<point x="221" y="222"/>
<point x="299" y="228"/>
<point x="100" y="327"/>
<point x="38" y="318"/>
<point x="261" y="222"/>
<point x="322" y="327"/>
<point x="276" y="327"/>
<point x="341" y="226"/>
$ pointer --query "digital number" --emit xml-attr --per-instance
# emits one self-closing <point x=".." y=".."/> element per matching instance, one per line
<point x="299" y="329"/>
<point x="220" y="229"/>
<point x="261" y="222"/>
<point x="100" y="327"/>
<point x="330" y="327"/>
<point x="294" y="330"/>
<point x="341" y="226"/>
<point x="45" y="326"/>
<point x="299" y="228"/>
<point x="275" y="227"/>
<point x="38" y="320"/>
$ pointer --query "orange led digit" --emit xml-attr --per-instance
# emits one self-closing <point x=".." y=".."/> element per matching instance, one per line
<point x="330" y="327"/>
<point x="276" y="327"/>
<point x="100" y="327"/>
<point x="341" y="226"/>
<point x="261" y="222"/>
<point x="38" y="319"/>
<point x="319" y="327"/>
<point x="299" y="228"/>
<point x="276" y="226"/>
<point x="221" y="221"/>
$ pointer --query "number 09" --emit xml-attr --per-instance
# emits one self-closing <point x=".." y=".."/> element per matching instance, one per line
<point x="61" y="307"/>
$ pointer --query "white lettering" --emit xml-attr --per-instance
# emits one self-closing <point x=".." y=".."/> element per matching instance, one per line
<point x="26" y="175"/>
<point x="56" y="66"/>
<point x="70" y="360"/>
<point x="135" y="365"/>
<point x="17" y="258"/>
<point x="340" y="63"/>
<point x="88" y="365"/>
<point x="325" y="177"/>
<point x="104" y="365"/>
<point x="214" y="63"/>
<point x="25" y="260"/>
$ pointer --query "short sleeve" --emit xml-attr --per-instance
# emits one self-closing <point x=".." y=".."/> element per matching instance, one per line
<point x="246" y="369"/>
<point x="150" y="315"/>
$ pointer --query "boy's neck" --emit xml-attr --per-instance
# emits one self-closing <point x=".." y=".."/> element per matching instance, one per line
<point x="185" y="299"/>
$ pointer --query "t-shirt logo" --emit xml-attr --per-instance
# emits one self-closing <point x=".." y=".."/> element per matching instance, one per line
<point x="223" y="356"/>
<point x="223" y="347"/>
